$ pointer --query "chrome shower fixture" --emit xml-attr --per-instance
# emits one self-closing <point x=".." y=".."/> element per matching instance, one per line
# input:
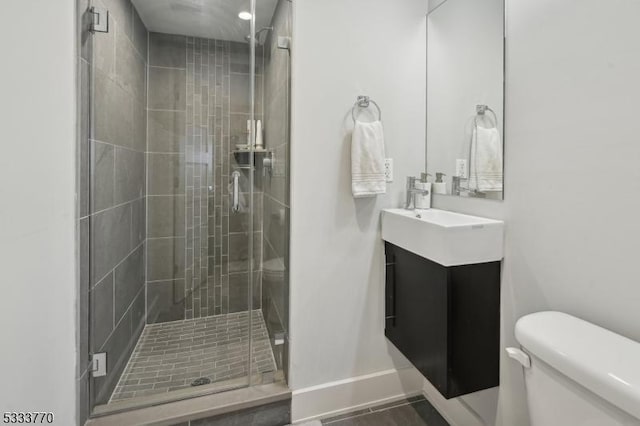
<point x="258" y="34"/>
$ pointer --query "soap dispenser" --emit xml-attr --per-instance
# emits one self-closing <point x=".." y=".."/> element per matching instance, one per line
<point x="439" y="186"/>
<point x="423" y="200"/>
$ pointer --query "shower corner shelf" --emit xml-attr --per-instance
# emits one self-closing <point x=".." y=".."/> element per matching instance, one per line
<point x="242" y="155"/>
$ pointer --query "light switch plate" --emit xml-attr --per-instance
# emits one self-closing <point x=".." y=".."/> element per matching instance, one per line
<point x="388" y="169"/>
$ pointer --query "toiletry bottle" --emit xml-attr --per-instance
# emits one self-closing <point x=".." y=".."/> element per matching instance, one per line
<point x="259" y="141"/>
<point x="423" y="201"/>
<point x="439" y="186"/>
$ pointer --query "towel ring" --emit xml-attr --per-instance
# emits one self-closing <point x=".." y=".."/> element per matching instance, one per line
<point x="481" y="110"/>
<point x="365" y="102"/>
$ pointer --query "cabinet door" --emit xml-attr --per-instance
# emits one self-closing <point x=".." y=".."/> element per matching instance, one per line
<point x="419" y="326"/>
<point x="474" y="327"/>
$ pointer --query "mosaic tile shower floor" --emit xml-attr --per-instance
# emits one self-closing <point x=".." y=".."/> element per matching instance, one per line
<point x="170" y="356"/>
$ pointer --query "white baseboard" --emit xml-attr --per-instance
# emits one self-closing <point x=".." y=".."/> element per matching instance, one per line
<point x="455" y="411"/>
<point x="343" y="396"/>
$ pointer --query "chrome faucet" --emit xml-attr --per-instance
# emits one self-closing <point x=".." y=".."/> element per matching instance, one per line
<point x="457" y="188"/>
<point x="456" y="184"/>
<point x="411" y="193"/>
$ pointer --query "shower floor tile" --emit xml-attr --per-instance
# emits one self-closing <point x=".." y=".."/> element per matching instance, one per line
<point x="170" y="356"/>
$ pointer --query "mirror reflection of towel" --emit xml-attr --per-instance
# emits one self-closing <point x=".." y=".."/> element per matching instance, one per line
<point x="485" y="170"/>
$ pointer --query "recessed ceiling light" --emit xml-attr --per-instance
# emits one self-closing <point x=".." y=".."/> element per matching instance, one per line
<point x="245" y="16"/>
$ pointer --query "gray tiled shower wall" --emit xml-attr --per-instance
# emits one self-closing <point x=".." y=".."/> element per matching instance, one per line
<point x="276" y="209"/>
<point x="111" y="189"/>
<point x="197" y="249"/>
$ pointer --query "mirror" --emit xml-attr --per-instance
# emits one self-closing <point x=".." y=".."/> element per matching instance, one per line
<point x="465" y="97"/>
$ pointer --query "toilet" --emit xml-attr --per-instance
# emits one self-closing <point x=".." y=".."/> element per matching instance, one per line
<point x="577" y="373"/>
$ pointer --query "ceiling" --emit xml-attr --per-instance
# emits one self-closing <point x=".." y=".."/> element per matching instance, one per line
<point x="216" y="19"/>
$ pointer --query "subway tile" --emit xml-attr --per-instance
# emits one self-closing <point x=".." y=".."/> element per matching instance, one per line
<point x="129" y="279"/>
<point x="165" y="258"/>
<point x="167" y="50"/>
<point x="129" y="170"/>
<point x="172" y="354"/>
<point x="131" y="72"/>
<point x="111" y="239"/>
<point x="166" y="174"/>
<point x="240" y="101"/>
<point x="167" y="131"/>
<point x="238" y="128"/>
<point x="166" y="216"/>
<point x="165" y="301"/>
<point x="101" y="312"/>
<point x="113" y="117"/>
<point x="102" y="179"/>
<point x="167" y="88"/>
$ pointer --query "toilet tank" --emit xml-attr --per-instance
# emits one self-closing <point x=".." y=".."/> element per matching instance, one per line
<point x="578" y="373"/>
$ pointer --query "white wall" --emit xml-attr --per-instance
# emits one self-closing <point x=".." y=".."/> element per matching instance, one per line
<point x="341" y="50"/>
<point x="37" y="168"/>
<point x="572" y="180"/>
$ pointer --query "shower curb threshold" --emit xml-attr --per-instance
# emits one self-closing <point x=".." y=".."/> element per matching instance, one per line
<point x="200" y="407"/>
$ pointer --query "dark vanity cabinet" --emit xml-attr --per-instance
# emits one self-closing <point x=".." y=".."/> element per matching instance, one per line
<point x="445" y="320"/>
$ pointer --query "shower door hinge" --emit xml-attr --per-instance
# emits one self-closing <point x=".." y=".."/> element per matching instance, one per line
<point x="100" y="21"/>
<point x="99" y="364"/>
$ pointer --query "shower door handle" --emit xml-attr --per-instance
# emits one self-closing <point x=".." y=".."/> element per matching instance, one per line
<point x="235" y="205"/>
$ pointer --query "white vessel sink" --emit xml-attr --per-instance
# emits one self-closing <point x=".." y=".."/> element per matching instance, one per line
<point x="444" y="237"/>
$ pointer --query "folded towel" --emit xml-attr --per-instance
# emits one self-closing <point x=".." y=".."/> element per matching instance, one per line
<point x="485" y="170"/>
<point x="367" y="160"/>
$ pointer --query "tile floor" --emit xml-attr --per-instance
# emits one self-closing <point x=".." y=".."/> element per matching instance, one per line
<point x="170" y="356"/>
<point x="415" y="411"/>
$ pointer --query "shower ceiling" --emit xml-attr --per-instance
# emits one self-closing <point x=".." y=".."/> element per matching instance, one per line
<point x="216" y="19"/>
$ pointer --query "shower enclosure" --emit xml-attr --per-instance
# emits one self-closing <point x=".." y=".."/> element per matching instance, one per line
<point x="183" y="185"/>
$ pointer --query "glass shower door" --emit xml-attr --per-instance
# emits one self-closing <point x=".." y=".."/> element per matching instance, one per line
<point x="174" y="239"/>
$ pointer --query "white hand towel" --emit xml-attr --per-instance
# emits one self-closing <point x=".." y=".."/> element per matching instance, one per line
<point x="367" y="160"/>
<point x="486" y="160"/>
